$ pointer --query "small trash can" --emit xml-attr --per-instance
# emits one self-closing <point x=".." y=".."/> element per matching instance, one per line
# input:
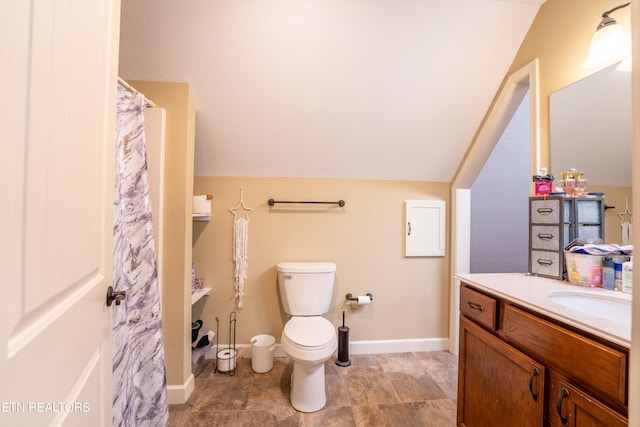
<point x="262" y="353"/>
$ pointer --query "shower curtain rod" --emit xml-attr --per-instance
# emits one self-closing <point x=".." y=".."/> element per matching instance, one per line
<point x="130" y="88"/>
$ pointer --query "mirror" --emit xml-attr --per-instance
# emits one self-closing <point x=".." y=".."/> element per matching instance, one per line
<point x="590" y="128"/>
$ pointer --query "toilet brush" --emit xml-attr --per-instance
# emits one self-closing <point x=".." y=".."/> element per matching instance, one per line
<point x="343" y="345"/>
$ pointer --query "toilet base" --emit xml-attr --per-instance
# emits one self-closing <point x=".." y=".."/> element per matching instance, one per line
<point x="308" y="392"/>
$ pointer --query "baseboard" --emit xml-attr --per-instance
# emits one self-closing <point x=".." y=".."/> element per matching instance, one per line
<point x="177" y="394"/>
<point x="398" y="346"/>
<point x="366" y="347"/>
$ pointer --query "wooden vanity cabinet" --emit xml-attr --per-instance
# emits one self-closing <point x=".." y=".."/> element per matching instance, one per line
<point x="570" y="406"/>
<point x="498" y="385"/>
<point x="517" y="368"/>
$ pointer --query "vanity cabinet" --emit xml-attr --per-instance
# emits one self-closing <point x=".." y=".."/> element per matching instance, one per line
<point x="554" y="222"/>
<point x="517" y="367"/>
<point x="515" y="381"/>
<point x="573" y="407"/>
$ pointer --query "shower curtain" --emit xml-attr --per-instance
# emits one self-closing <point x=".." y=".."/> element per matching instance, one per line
<point x="139" y="381"/>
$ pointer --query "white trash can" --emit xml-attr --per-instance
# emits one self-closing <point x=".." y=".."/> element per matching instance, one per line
<point x="262" y="353"/>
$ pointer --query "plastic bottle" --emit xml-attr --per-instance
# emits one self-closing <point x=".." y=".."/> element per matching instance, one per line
<point x="627" y="276"/>
<point x="596" y="277"/>
<point x="543" y="182"/>
<point x="617" y="282"/>
<point x="608" y="274"/>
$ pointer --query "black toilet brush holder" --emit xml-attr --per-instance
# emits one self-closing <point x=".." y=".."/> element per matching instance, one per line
<point x="343" y="345"/>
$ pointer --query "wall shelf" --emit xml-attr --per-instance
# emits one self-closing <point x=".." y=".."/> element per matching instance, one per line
<point x="202" y="217"/>
<point x="198" y="294"/>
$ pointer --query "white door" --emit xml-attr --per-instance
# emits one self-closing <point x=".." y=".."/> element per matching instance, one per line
<point x="59" y="70"/>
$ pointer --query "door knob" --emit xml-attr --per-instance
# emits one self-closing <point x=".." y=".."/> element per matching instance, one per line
<point x="115" y="296"/>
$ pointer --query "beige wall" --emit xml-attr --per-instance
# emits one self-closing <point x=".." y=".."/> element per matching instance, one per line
<point x="614" y="196"/>
<point x="177" y="100"/>
<point x="560" y="37"/>
<point x="365" y="239"/>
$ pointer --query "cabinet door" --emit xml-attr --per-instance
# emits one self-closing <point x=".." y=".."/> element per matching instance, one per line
<point x="570" y="406"/>
<point x="498" y="385"/>
<point x="425" y="228"/>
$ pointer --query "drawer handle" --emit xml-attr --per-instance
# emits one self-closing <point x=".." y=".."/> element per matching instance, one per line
<point x="545" y="211"/>
<point x="534" y="374"/>
<point x="563" y="394"/>
<point x="474" y="306"/>
<point x="544" y="261"/>
<point x="545" y="236"/>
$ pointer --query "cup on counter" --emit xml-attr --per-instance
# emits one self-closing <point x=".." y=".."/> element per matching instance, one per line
<point x="568" y="186"/>
<point x="581" y="187"/>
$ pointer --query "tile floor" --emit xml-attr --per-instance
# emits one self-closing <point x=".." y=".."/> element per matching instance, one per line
<point x="397" y="389"/>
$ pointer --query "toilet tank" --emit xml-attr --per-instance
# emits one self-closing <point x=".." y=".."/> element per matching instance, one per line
<point x="306" y="287"/>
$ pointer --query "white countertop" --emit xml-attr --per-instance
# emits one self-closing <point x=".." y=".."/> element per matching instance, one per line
<point x="532" y="292"/>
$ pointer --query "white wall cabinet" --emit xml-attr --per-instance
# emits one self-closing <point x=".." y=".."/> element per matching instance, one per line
<point x="425" y="228"/>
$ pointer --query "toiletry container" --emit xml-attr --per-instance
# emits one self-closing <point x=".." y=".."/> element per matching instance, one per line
<point x="627" y="276"/>
<point x="608" y="273"/>
<point x="617" y="282"/>
<point x="595" y="276"/>
<point x="543" y="182"/>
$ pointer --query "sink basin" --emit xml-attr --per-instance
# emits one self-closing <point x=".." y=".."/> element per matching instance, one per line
<point x="604" y="305"/>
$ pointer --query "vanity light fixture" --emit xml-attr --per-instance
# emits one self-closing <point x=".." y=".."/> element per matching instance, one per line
<point x="609" y="43"/>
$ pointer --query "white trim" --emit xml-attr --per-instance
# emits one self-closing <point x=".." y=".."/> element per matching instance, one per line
<point x="178" y="394"/>
<point x="509" y="98"/>
<point x="534" y="117"/>
<point x="462" y="260"/>
<point x="634" y="357"/>
<point x="519" y="83"/>
<point x="398" y="346"/>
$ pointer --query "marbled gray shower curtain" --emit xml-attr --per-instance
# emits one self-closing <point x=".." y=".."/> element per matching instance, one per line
<point x="139" y="381"/>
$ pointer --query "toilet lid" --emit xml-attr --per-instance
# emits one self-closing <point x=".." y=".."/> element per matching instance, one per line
<point x="309" y="331"/>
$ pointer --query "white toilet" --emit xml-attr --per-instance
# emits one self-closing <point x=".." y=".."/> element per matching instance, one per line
<point x="308" y="338"/>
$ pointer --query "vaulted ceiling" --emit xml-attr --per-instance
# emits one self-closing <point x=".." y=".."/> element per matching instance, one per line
<point x="364" y="89"/>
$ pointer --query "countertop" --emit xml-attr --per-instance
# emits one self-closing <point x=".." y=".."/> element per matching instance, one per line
<point x="532" y="292"/>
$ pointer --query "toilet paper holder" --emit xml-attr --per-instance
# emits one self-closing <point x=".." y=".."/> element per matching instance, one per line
<point x="351" y="298"/>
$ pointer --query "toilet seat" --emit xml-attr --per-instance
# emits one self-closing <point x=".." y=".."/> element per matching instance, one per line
<point x="309" y="338"/>
<point x="311" y="331"/>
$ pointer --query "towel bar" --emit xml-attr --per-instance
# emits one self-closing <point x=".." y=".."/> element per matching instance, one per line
<point x="340" y="203"/>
